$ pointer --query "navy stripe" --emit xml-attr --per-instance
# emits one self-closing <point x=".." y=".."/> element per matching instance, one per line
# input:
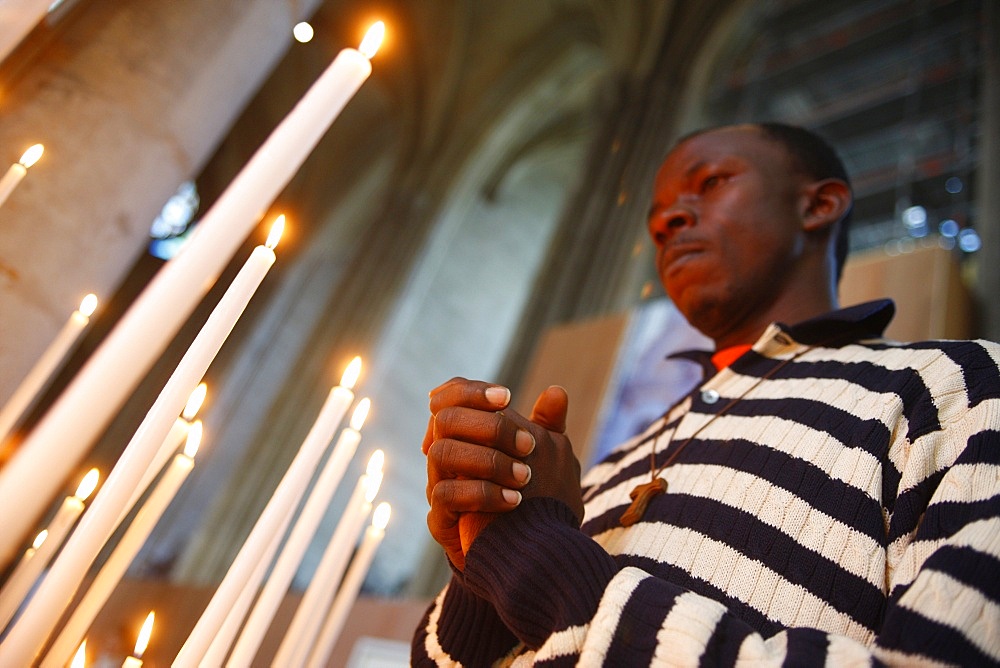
<point x="911" y="505"/>
<point x="835" y="498"/>
<point x="806" y="647"/>
<point x="842" y="502"/>
<point x="910" y="632"/>
<point x="723" y="647"/>
<point x="982" y="377"/>
<point x="947" y="518"/>
<point x="634" y="642"/>
<point x="781" y="553"/>
<point x="680" y="577"/>
<point x="918" y="401"/>
<point x="976" y="570"/>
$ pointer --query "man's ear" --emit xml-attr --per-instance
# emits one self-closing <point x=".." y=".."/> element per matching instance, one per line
<point x="826" y="202"/>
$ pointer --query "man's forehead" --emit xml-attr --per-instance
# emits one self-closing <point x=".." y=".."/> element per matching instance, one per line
<point x="736" y="141"/>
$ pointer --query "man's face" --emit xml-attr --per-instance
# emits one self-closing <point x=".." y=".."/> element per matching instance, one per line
<point x="727" y="223"/>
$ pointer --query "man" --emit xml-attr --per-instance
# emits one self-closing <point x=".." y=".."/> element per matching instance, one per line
<point x="824" y="496"/>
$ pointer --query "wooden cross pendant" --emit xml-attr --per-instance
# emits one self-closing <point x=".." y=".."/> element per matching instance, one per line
<point x="641" y="496"/>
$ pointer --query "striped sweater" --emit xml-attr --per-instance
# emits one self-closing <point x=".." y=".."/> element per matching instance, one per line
<point x="845" y="510"/>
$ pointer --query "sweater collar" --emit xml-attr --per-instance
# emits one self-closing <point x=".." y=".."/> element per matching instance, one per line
<point x="834" y="328"/>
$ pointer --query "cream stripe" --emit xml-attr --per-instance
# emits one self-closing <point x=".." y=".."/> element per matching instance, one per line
<point x="431" y="644"/>
<point x="687" y="629"/>
<point x="740" y="577"/>
<point x="777" y="507"/>
<point x="756" y="652"/>
<point x="609" y="612"/>
<point x="982" y="535"/>
<point x="968" y="483"/>
<point x="943" y="599"/>
<point x="563" y="643"/>
<point x="843" y="651"/>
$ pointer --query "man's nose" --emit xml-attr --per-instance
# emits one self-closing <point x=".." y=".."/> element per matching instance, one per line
<point x="665" y="224"/>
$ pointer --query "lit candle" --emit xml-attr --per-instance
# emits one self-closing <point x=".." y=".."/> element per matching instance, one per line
<point x="118" y="562"/>
<point x="29" y="568"/>
<point x="28" y="635"/>
<point x="80" y="658"/>
<point x="18" y="171"/>
<point x="348" y="591"/>
<point x="70" y="426"/>
<point x="298" y="541"/>
<point x="180" y="432"/>
<point x="135" y="661"/>
<point x="44" y="370"/>
<point x="223" y="640"/>
<point x="302" y="632"/>
<point x="282" y="503"/>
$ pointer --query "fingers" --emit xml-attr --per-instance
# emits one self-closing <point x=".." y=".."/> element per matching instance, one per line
<point x="469" y="394"/>
<point x="452" y="459"/>
<point x="495" y="430"/>
<point x="551" y="408"/>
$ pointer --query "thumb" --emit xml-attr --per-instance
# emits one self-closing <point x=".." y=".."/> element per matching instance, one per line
<point x="550" y="409"/>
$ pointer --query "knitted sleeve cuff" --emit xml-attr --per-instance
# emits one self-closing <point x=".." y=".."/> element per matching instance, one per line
<point x="538" y="570"/>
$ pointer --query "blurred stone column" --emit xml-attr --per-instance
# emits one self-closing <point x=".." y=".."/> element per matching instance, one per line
<point x="130" y="99"/>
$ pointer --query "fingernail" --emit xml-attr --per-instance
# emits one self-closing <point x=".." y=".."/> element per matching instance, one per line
<point x="524" y="442"/>
<point x="498" y="396"/>
<point x="521" y="472"/>
<point x="511" y="497"/>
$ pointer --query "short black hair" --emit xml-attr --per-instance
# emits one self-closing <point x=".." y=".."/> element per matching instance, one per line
<point x="816" y="159"/>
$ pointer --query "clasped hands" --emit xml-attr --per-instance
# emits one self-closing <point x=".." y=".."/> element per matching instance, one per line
<point x="484" y="459"/>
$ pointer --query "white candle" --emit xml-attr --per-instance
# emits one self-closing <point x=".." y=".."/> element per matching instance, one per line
<point x="223" y="640"/>
<point x="305" y="625"/>
<point x="180" y="432"/>
<point x="80" y="658"/>
<point x="348" y="592"/>
<point x="28" y="635"/>
<point x="23" y="578"/>
<point x="18" y="171"/>
<point x="42" y="373"/>
<point x="70" y="426"/>
<point x="298" y="541"/>
<point x="283" y="502"/>
<point x="118" y="562"/>
<point x="135" y="661"/>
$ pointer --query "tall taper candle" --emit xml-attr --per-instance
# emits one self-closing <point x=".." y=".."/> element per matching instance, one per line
<point x="28" y="635"/>
<point x="348" y="592"/>
<point x="41" y="374"/>
<point x="298" y="541"/>
<point x="305" y="625"/>
<point x="22" y="579"/>
<point x="284" y="500"/>
<point x="65" y="434"/>
<point x="18" y="171"/>
<point x="118" y="562"/>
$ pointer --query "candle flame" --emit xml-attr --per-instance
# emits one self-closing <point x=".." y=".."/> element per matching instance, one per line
<point x="351" y="374"/>
<point x="277" y="227"/>
<point x="80" y="658"/>
<point x="380" y="518"/>
<point x="360" y="414"/>
<point x="375" y="463"/>
<point x="88" y="305"/>
<point x="373" y="40"/>
<point x="40" y="538"/>
<point x="372" y="485"/>
<point x="31" y="156"/>
<point x="143" y="640"/>
<point x="88" y="484"/>
<point x="194" y="439"/>
<point x="195" y="402"/>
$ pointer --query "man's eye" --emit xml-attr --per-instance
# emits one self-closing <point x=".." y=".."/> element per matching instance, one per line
<point x="710" y="182"/>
